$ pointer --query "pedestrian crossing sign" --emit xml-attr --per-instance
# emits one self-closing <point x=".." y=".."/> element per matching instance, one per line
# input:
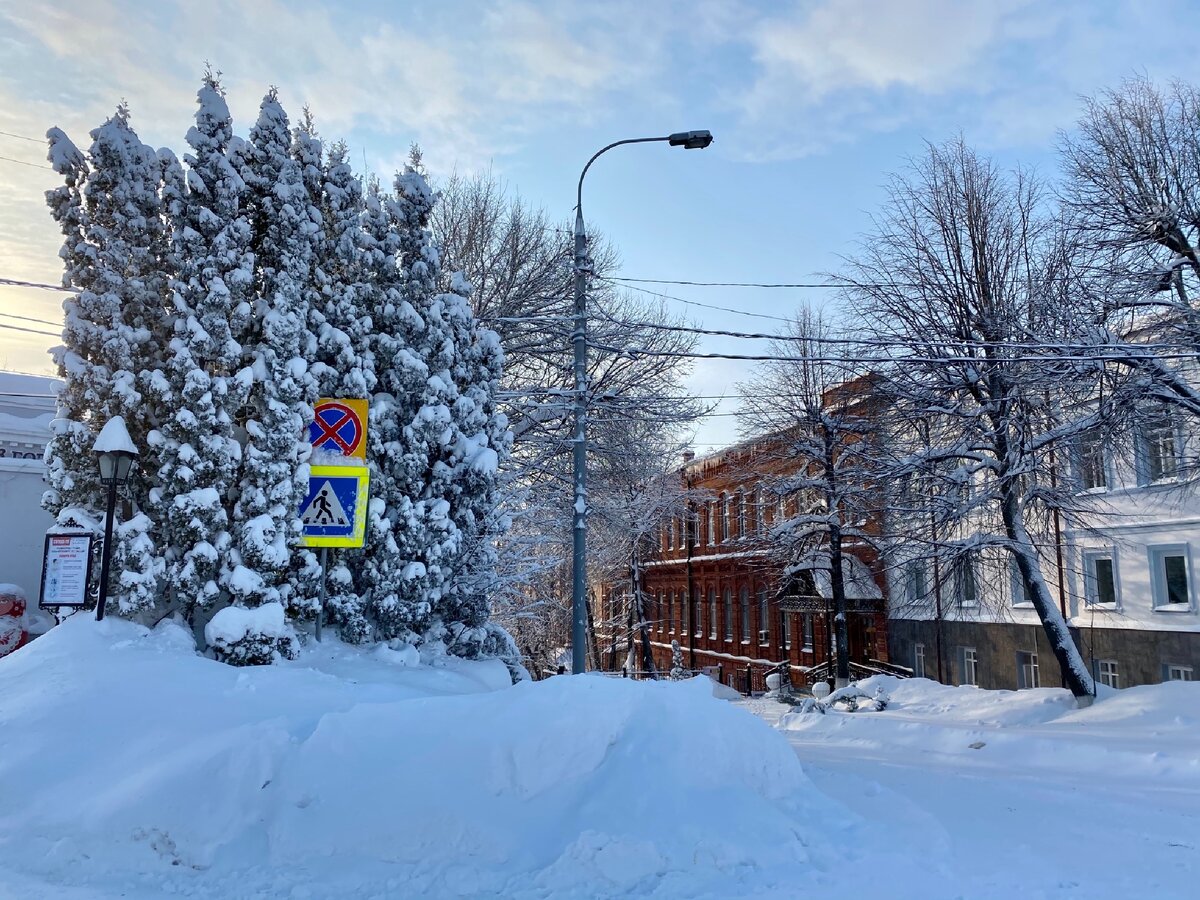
<point x="334" y="511"/>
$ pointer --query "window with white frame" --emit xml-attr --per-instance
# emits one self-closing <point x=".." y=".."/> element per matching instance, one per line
<point x="764" y="618"/>
<point x="1170" y="577"/>
<point x="744" y="603"/>
<point x="919" y="661"/>
<point x="760" y="510"/>
<point x="671" y="532"/>
<point x="785" y="629"/>
<point x="1028" y="675"/>
<point x="968" y="665"/>
<point x="780" y="507"/>
<point x="727" y="599"/>
<point x="712" y="522"/>
<point x="808" y="632"/>
<point x="696" y="603"/>
<point x="966" y="586"/>
<point x="725" y="518"/>
<point x="1160" y="449"/>
<point x="1108" y="673"/>
<point x="1091" y="461"/>
<point x="712" y="613"/>
<point x="1100" y="578"/>
<point x="1176" y="672"/>
<point x="671" y="612"/>
<point x="741" y="514"/>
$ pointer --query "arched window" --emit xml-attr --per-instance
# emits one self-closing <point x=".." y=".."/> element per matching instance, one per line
<point x="671" y="612"/>
<point x="741" y="513"/>
<point x="760" y="510"/>
<point x="696" y="612"/>
<point x="712" y="522"/>
<point x="684" y="613"/>
<point x="764" y="617"/>
<point x="725" y="518"/>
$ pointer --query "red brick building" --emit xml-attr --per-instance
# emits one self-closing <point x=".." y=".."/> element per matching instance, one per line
<point x="717" y="586"/>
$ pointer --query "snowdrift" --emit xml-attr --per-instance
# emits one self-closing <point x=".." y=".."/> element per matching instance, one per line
<point x="133" y="767"/>
<point x="1140" y="732"/>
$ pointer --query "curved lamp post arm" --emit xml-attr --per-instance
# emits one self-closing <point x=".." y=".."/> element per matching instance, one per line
<point x="596" y="156"/>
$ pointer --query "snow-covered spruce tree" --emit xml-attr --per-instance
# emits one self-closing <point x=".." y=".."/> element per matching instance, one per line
<point x="482" y="445"/>
<point x="439" y="440"/>
<point x="71" y="471"/>
<point x="113" y="339"/>
<point x="344" y="362"/>
<point x="379" y="568"/>
<point x="202" y="387"/>
<point x="274" y="475"/>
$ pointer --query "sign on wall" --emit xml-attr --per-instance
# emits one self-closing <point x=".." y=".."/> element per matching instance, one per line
<point x="334" y="512"/>
<point x="340" y="427"/>
<point x="66" y="569"/>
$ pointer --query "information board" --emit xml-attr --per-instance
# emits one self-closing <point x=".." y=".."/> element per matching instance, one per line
<point x="66" y="569"/>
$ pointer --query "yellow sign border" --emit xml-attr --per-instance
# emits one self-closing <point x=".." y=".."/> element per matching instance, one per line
<point x="357" y="537"/>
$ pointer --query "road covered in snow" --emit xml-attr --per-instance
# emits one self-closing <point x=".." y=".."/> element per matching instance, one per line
<point x="132" y="767"/>
<point x="1019" y="794"/>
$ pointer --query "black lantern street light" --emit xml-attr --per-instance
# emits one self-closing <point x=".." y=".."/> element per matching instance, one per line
<point x="116" y="454"/>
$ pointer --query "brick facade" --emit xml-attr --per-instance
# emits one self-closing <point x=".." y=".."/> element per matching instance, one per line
<point x="737" y="621"/>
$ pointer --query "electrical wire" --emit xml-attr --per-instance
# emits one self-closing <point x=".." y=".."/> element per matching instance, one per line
<point x="54" y="334"/>
<point x="31" y="319"/>
<point x="23" y="137"/>
<point x="16" y="282"/>
<point x="22" y="162"/>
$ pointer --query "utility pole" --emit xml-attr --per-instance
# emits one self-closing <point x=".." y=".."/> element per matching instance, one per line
<point x="689" y="140"/>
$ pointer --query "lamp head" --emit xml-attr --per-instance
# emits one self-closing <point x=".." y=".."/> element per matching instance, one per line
<point x="690" y="140"/>
<point x="115" y="467"/>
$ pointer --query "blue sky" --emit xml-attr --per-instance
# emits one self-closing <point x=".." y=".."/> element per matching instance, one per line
<point x="812" y="104"/>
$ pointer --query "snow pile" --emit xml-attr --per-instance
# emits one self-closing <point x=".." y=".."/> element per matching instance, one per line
<point x="251" y="637"/>
<point x="135" y="768"/>
<point x="1151" y="731"/>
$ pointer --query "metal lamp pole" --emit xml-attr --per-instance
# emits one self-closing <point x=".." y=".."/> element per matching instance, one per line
<point x="689" y="140"/>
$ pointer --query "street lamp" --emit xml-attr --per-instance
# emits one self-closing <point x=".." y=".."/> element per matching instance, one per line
<point x="116" y="453"/>
<point x="689" y="140"/>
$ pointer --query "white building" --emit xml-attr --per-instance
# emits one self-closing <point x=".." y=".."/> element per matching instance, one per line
<point x="26" y="410"/>
<point x="1122" y="566"/>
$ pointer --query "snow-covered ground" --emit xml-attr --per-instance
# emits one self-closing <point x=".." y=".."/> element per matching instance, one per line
<point x="131" y="767"/>
<point x="1019" y="794"/>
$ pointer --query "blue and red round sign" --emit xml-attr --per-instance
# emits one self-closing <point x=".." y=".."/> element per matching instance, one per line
<point x="339" y="427"/>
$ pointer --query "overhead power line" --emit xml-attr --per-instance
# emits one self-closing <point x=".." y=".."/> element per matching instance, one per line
<point x="738" y="284"/>
<point x="22" y="162"/>
<point x="740" y="312"/>
<point x="54" y="334"/>
<point x="31" y="319"/>
<point x="633" y="352"/>
<point x="16" y="282"/>
<point x="23" y="137"/>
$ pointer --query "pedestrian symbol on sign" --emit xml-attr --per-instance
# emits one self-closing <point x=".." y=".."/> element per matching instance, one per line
<point x="325" y="508"/>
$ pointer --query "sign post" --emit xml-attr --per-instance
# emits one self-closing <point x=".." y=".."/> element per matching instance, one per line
<point x="334" y="510"/>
